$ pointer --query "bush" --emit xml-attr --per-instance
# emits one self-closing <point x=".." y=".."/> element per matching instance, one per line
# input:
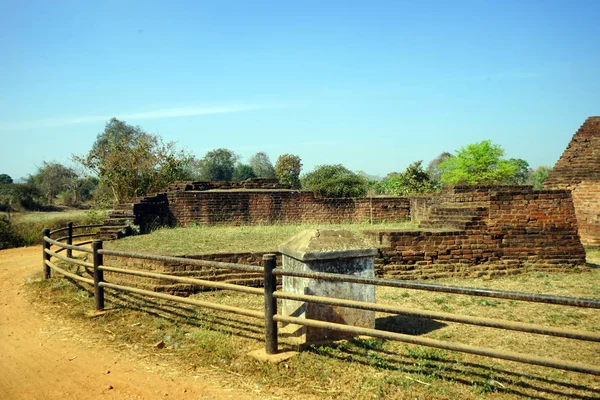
<point x="415" y="180"/>
<point x="334" y="181"/>
<point x="19" y="196"/>
<point x="8" y="237"/>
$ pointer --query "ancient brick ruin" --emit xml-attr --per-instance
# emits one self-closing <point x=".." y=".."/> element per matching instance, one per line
<point x="463" y="231"/>
<point x="578" y="170"/>
<point x="485" y="230"/>
<point x="254" y="201"/>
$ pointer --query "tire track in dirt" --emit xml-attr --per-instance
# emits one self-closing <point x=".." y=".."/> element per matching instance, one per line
<point x="38" y="360"/>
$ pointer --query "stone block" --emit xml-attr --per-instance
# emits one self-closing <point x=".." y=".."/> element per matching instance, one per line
<point x="327" y="251"/>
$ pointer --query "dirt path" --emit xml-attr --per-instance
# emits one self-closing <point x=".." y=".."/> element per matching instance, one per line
<point x="39" y="360"/>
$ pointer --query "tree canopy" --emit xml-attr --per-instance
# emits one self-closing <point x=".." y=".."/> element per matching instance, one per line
<point x="261" y="165"/>
<point x="433" y="168"/>
<point x="479" y="163"/>
<point x="414" y="180"/>
<point x="218" y="165"/>
<point x="131" y="162"/>
<point x="538" y="176"/>
<point x="243" y="172"/>
<point x="334" y="181"/>
<point x="53" y="178"/>
<point x="287" y="169"/>
<point x="5" y="179"/>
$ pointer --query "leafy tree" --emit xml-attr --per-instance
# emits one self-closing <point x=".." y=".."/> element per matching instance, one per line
<point x="80" y="190"/>
<point x="538" y="176"/>
<point x="433" y="168"/>
<point x="521" y="172"/>
<point x="261" y="165"/>
<point x="243" y="172"/>
<point x="20" y="195"/>
<point x="334" y="181"/>
<point x="287" y="169"/>
<point x="5" y="179"/>
<point x="478" y="164"/>
<point x="414" y="180"/>
<point x="131" y="162"/>
<point x="53" y="178"/>
<point x="191" y="169"/>
<point x="218" y="165"/>
<point x="372" y="183"/>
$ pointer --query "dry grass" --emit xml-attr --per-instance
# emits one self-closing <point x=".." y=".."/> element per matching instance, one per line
<point x="29" y="225"/>
<point x="200" y="339"/>
<point x="229" y="239"/>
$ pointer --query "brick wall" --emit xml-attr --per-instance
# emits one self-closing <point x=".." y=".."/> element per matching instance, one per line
<point x="511" y="229"/>
<point x="578" y="170"/>
<point x="239" y="207"/>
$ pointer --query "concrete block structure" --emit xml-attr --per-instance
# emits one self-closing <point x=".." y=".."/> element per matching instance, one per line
<point x="328" y="251"/>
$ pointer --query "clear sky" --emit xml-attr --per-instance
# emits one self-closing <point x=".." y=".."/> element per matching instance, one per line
<point x="374" y="85"/>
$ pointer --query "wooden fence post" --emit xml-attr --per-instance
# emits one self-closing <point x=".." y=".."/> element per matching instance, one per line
<point x="269" y="263"/>
<point x="46" y="257"/>
<point x="98" y="275"/>
<point x="69" y="238"/>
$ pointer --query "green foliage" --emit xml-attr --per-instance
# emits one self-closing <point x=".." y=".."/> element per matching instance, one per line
<point x="538" y="176"/>
<point x="5" y="179"/>
<point x="18" y="196"/>
<point x="521" y="173"/>
<point x="261" y="165"/>
<point x="433" y="168"/>
<point x="191" y="169"/>
<point x="8" y="237"/>
<point x="243" y="172"/>
<point x="287" y="170"/>
<point x="218" y="165"/>
<point x="479" y="164"/>
<point x="131" y="162"/>
<point x="334" y="181"/>
<point x="53" y="178"/>
<point x="414" y="180"/>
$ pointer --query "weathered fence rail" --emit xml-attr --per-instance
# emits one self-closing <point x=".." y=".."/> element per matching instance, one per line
<point x="270" y="293"/>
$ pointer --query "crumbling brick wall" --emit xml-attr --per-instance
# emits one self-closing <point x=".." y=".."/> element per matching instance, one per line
<point x="578" y="170"/>
<point x="238" y="207"/>
<point x="511" y="229"/>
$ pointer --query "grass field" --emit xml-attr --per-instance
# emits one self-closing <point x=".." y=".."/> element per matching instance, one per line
<point x="199" y="339"/>
<point x="225" y="239"/>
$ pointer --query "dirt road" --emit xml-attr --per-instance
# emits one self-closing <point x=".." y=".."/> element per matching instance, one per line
<point x="40" y="360"/>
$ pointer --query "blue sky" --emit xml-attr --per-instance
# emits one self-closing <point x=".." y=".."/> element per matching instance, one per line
<point x="373" y="85"/>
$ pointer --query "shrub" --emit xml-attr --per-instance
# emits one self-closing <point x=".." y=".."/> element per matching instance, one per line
<point x="8" y="237"/>
<point x="334" y="181"/>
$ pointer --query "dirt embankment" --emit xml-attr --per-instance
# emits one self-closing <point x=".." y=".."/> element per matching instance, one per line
<point x="40" y="360"/>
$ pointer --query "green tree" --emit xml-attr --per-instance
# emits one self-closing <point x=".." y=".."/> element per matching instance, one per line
<point x="5" y="179"/>
<point x="414" y="180"/>
<point x="243" y="172"/>
<point x="334" y="181"/>
<point x="261" y="165"/>
<point x="131" y="162"/>
<point x="218" y="165"/>
<point x="521" y="172"/>
<point x="16" y="196"/>
<point x="433" y="168"/>
<point x="478" y="164"/>
<point x="287" y="169"/>
<point x="53" y="178"/>
<point x="538" y="176"/>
